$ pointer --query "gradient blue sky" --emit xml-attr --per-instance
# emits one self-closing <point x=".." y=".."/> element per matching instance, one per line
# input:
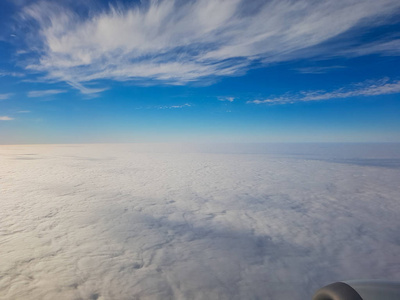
<point x="199" y="70"/>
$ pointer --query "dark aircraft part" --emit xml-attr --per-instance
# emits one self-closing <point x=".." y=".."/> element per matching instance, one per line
<point x="359" y="290"/>
<point x="337" y="291"/>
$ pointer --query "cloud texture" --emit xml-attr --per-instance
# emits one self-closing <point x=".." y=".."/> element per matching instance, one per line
<point x="123" y="222"/>
<point x="181" y="41"/>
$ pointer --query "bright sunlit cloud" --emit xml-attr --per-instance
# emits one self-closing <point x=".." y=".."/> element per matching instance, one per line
<point x="175" y="42"/>
<point x="136" y="221"/>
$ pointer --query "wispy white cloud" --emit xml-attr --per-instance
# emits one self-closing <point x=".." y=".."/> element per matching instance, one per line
<point x="44" y="93"/>
<point x="181" y="41"/>
<point x="6" y="118"/>
<point x="6" y="96"/>
<point x="318" y="70"/>
<point x="229" y="99"/>
<point x="368" y="88"/>
<point x="386" y="48"/>
<point x="185" y="105"/>
<point x="174" y="106"/>
<point x="23" y="111"/>
<point x="84" y="89"/>
<point x="12" y="74"/>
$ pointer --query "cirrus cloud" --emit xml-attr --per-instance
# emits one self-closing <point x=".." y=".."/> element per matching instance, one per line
<point x="178" y="42"/>
<point x="44" y="93"/>
<point x="368" y="88"/>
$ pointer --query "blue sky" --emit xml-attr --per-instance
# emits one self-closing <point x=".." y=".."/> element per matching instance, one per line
<point x="199" y="70"/>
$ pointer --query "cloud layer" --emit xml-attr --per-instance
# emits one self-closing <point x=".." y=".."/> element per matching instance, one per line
<point x="177" y="42"/>
<point x="123" y="222"/>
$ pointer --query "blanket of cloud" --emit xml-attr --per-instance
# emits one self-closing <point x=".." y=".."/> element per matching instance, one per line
<point x="237" y="222"/>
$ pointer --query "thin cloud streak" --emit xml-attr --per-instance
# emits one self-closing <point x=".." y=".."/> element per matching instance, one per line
<point x="176" y="43"/>
<point x="369" y="88"/>
<point x="174" y="106"/>
<point x="6" y="96"/>
<point x="44" y="93"/>
<point x="384" y="48"/>
<point x="229" y="99"/>
<point x="11" y="74"/>
<point x="85" y="90"/>
<point x="6" y="118"/>
<point x="185" y="105"/>
<point x="180" y="106"/>
<point x="318" y="70"/>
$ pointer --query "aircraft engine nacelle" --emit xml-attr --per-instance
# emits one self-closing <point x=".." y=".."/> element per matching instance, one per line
<point x="359" y="290"/>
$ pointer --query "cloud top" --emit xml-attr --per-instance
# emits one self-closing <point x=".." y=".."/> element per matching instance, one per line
<point x="137" y="221"/>
<point x="177" y="42"/>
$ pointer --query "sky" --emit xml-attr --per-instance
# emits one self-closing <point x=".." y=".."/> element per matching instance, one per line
<point x="199" y="71"/>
